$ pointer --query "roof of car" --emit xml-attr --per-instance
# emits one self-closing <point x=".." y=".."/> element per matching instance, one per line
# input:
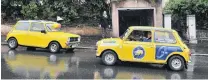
<point x="149" y="28"/>
<point x="34" y="21"/>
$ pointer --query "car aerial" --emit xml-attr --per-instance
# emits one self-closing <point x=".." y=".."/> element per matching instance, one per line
<point x="41" y="34"/>
<point x="147" y="45"/>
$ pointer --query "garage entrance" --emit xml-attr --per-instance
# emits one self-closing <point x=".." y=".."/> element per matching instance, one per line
<point x="135" y="17"/>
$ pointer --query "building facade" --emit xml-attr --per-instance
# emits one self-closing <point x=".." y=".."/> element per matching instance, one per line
<point x="127" y="13"/>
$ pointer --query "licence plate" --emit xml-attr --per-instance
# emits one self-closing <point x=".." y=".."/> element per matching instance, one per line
<point x="74" y="45"/>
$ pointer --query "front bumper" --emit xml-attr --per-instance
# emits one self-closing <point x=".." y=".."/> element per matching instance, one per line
<point x="72" y="44"/>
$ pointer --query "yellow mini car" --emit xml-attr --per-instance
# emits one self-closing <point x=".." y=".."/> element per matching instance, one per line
<point x="145" y="44"/>
<point x="38" y="33"/>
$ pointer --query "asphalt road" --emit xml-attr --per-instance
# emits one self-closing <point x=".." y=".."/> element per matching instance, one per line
<point x="82" y="63"/>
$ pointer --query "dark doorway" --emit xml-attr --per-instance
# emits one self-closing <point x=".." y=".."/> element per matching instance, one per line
<point x="138" y="17"/>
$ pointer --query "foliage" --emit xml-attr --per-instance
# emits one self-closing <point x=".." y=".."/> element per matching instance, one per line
<point x="180" y="8"/>
<point x="30" y="11"/>
<point x="72" y="11"/>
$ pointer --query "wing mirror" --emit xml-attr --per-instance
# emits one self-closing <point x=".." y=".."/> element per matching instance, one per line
<point x="43" y="31"/>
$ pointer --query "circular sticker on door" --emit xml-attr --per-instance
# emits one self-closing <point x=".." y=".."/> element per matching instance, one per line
<point x="138" y="52"/>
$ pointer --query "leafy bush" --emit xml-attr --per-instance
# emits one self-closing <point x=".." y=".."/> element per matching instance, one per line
<point x="30" y="11"/>
<point x="72" y="11"/>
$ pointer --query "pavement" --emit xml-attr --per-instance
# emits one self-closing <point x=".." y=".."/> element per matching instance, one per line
<point x="82" y="64"/>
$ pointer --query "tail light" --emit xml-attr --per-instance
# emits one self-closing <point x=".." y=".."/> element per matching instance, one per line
<point x="190" y="53"/>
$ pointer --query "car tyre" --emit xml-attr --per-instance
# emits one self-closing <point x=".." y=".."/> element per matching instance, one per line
<point x="12" y="43"/>
<point x="176" y="63"/>
<point x="109" y="58"/>
<point x="54" y="47"/>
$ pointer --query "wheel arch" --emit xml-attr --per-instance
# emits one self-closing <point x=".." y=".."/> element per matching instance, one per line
<point x="179" y="56"/>
<point x="14" y="38"/>
<point x="11" y="37"/>
<point x="53" y="41"/>
<point x="109" y="50"/>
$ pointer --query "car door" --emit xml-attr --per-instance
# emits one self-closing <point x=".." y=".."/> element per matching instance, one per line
<point x="36" y="38"/>
<point x="138" y="50"/>
<point x="165" y="43"/>
<point x="21" y="32"/>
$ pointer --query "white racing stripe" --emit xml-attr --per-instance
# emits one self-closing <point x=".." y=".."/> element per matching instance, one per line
<point x="109" y="44"/>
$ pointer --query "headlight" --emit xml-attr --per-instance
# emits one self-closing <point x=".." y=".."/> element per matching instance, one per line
<point x="68" y="39"/>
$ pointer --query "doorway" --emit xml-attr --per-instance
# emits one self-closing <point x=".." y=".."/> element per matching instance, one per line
<point x="135" y="17"/>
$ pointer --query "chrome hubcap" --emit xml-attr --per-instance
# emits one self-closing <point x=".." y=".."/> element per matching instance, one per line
<point x="12" y="43"/>
<point x="54" y="47"/>
<point x="176" y="63"/>
<point x="109" y="58"/>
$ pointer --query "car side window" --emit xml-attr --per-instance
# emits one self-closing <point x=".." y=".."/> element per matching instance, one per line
<point x="164" y="37"/>
<point x="37" y="27"/>
<point x="24" y="26"/>
<point x="141" y="36"/>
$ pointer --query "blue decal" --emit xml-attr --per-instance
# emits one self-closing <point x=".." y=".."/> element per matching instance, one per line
<point x="138" y="52"/>
<point x="163" y="51"/>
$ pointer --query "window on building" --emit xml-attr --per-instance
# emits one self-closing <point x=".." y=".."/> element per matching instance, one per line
<point x="22" y="26"/>
<point x="37" y="27"/>
<point x="164" y="37"/>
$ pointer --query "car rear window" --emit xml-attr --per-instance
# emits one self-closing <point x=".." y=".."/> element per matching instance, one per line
<point x="22" y="26"/>
<point x="164" y="37"/>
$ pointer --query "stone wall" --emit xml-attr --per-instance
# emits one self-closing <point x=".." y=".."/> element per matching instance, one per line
<point x="202" y="34"/>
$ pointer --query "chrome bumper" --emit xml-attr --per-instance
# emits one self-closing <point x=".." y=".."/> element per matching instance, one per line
<point x="72" y="44"/>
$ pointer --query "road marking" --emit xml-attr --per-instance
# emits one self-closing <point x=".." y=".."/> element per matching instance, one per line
<point x="199" y="54"/>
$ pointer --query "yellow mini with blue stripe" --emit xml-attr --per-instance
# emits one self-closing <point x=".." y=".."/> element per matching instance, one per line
<point x="146" y="44"/>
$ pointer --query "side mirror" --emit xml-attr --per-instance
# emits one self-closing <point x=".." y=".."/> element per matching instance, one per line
<point x="43" y="31"/>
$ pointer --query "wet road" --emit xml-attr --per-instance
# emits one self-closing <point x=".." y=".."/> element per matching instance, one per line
<point x="82" y="63"/>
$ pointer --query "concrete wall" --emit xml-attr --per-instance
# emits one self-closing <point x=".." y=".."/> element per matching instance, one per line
<point x="158" y="18"/>
<point x="202" y="34"/>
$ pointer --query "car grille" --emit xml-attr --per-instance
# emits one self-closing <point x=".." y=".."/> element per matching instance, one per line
<point x="73" y="39"/>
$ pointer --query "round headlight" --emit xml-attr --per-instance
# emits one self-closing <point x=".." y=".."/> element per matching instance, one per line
<point x="68" y="39"/>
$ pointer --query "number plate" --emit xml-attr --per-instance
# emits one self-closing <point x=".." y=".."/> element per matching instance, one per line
<point x="74" y="45"/>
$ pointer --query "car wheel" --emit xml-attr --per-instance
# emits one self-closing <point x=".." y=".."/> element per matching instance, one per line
<point x="176" y="63"/>
<point x="12" y="43"/>
<point x="54" y="47"/>
<point x="109" y="58"/>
